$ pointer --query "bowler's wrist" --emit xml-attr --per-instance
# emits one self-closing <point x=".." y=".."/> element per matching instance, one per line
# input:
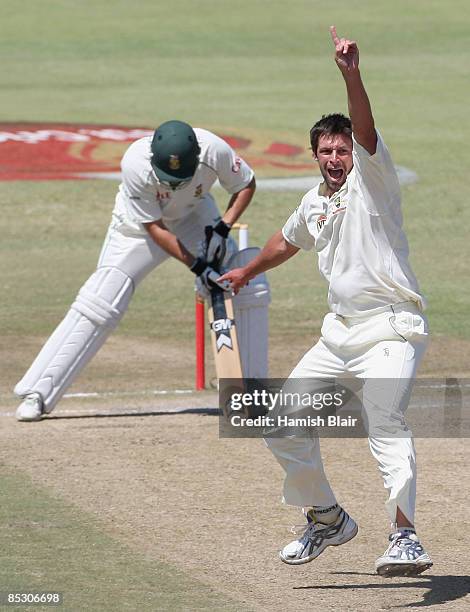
<point x="351" y="76"/>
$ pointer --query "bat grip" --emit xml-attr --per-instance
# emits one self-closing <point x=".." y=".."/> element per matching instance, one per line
<point x="209" y="230"/>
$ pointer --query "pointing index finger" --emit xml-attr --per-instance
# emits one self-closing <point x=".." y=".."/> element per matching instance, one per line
<point x="334" y="35"/>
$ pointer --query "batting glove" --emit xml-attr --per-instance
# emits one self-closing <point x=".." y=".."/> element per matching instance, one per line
<point x="216" y="239"/>
<point x="208" y="276"/>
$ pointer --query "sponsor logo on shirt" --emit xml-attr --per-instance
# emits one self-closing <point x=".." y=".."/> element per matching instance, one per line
<point x="236" y="165"/>
<point x="198" y="191"/>
<point x="335" y="207"/>
<point x="339" y="206"/>
<point x="321" y="222"/>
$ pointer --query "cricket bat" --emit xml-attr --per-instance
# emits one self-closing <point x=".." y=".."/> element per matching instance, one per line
<point x="224" y="335"/>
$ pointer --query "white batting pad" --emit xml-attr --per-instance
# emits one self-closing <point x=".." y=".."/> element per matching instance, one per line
<point x="251" y="315"/>
<point x="98" y="308"/>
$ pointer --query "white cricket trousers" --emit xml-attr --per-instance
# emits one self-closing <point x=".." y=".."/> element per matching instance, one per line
<point x="388" y="345"/>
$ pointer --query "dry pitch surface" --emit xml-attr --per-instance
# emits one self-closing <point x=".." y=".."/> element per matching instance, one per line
<point x="163" y="483"/>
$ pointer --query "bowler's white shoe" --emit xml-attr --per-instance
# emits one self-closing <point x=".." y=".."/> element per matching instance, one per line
<point x="405" y="556"/>
<point x="316" y="537"/>
<point x="30" y="409"/>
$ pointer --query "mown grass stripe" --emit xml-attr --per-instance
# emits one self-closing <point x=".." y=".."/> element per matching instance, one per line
<point x="50" y="545"/>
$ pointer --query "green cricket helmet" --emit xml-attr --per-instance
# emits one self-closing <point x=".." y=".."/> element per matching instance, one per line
<point x="175" y="153"/>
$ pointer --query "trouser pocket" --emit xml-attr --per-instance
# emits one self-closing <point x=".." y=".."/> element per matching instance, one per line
<point x="410" y="326"/>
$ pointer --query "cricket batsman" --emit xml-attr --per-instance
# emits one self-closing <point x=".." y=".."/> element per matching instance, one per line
<point x="163" y="209"/>
<point x="375" y="329"/>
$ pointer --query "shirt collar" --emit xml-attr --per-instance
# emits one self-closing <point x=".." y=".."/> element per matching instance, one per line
<point x="322" y="188"/>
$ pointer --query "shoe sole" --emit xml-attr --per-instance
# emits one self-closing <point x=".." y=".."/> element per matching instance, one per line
<point x="29" y="420"/>
<point x="346" y="539"/>
<point x="391" y="570"/>
<point x="29" y="416"/>
<point x="22" y="419"/>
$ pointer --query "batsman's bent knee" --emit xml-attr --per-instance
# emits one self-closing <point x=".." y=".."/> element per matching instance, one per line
<point x="98" y="308"/>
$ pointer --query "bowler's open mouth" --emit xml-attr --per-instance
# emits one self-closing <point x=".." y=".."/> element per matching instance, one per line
<point x="335" y="173"/>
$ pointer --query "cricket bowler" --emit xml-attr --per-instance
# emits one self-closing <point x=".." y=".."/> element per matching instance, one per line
<point x="375" y="329"/>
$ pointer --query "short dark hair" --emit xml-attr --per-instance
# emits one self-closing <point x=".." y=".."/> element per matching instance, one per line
<point x="335" y="123"/>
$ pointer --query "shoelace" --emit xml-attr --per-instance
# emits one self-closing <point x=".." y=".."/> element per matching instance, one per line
<point x="393" y="539"/>
<point x="301" y="530"/>
<point x="404" y="542"/>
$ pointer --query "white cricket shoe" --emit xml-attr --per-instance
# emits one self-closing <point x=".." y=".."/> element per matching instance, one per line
<point x="405" y="556"/>
<point x="30" y="409"/>
<point x="316" y="537"/>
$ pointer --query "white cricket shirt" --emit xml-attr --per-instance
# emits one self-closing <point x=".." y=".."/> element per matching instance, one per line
<point x="141" y="199"/>
<point x="357" y="233"/>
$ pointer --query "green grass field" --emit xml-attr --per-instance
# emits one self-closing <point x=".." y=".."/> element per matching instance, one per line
<point x="261" y="65"/>
<point x="255" y="65"/>
<point x="62" y="549"/>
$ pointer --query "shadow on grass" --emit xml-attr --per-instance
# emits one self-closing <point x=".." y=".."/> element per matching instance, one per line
<point x="441" y="589"/>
